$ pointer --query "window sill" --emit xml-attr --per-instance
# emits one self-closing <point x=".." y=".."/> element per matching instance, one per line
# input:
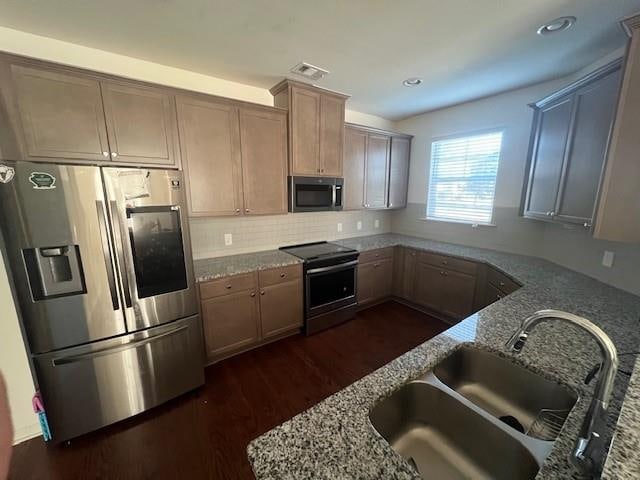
<point x="458" y="222"/>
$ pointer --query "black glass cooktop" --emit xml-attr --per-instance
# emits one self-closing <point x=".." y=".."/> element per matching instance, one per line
<point x="317" y="250"/>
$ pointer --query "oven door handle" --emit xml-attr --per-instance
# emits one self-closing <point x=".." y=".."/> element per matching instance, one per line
<point x="332" y="268"/>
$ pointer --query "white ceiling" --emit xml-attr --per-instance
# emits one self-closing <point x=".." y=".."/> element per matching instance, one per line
<point x="463" y="49"/>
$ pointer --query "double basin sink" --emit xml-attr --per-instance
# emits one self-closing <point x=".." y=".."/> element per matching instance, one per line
<point x="474" y="415"/>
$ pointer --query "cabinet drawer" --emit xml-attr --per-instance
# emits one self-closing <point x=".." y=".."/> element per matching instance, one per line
<point x="501" y="281"/>
<point x="377" y="254"/>
<point x="226" y="285"/>
<point x="279" y="275"/>
<point x="450" y="263"/>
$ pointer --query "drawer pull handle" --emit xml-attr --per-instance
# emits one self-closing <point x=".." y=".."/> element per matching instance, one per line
<point x="282" y="275"/>
<point x="228" y="287"/>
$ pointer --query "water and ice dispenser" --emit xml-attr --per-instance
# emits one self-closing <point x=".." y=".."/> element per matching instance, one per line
<point x="54" y="271"/>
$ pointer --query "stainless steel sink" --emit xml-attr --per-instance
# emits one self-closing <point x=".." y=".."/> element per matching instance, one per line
<point x="475" y="415"/>
<point x="443" y="438"/>
<point x="523" y="399"/>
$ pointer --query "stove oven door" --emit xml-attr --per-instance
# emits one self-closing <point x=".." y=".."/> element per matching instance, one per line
<point x="331" y="287"/>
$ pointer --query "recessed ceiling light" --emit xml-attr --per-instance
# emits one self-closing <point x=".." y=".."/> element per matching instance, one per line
<point x="412" y="82"/>
<point x="558" y="25"/>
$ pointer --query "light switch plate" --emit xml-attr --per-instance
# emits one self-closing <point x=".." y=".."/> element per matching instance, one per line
<point x="228" y="239"/>
<point x="376" y="223"/>
<point x="607" y="258"/>
<point x="359" y="225"/>
<point x="339" y="226"/>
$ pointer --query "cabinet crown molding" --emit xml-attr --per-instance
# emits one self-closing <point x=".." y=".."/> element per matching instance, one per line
<point x="631" y="23"/>
<point x="287" y="82"/>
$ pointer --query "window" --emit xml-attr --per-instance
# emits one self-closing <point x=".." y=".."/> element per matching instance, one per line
<point x="462" y="183"/>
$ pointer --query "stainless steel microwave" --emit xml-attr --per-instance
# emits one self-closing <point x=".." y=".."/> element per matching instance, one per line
<point x="315" y="194"/>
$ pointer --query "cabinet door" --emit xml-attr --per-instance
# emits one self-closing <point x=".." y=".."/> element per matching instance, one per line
<point x="376" y="171"/>
<point x="429" y="286"/>
<point x="355" y="151"/>
<point x="383" y="273"/>
<point x="263" y="139"/>
<point x="547" y="157"/>
<point x="210" y="143"/>
<point x="230" y="322"/>
<point x="457" y="294"/>
<point x="366" y="282"/>
<point x="595" y="108"/>
<point x="409" y="275"/>
<point x="141" y="123"/>
<point x="305" y="132"/>
<point x="399" y="172"/>
<point x="492" y="294"/>
<point x="331" y="135"/>
<point x="62" y="115"/>
<point x="281" y="307"/>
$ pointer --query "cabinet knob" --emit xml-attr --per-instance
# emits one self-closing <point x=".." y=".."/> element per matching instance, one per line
<point x="548" y="214"/>
<point x="441" y="272"/>
<point x="228" y="287"/>
<point x="586" y="225"/>
<point x="237" y="210"/>
<point x="253" y="294"/>
<point x="114" y="154"/>
<point x="553" y="214"/>
<point x="376" y="265"/>
<point x="105" y="154"/>
<point x="390" y="204"/>
<point x="261" y="292"/>
<point x="502" y="284"/>
<point x="444" y="262"/>
<point x="413" y="254"/>
<point x="282" y="275"/>
<point x="246" y="210"/>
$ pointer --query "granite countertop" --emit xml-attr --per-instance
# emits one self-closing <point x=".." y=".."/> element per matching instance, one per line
<point x="334" y="439"/>
<point x="218" y="267"/>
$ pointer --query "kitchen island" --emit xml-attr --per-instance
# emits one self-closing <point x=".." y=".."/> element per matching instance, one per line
<point x="335" y="439"/>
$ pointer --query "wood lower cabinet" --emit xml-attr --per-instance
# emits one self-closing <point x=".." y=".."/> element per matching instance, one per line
<point x="495" y="286"/>
<point x="281" y="307"/>
<point x="244" y="311"/>
<point x="231" y="322"/>
<point x="234" y="157"/>
<point x="429" y="286"/>
<point x="375" y="276"/>
<point x="457" y="294"/>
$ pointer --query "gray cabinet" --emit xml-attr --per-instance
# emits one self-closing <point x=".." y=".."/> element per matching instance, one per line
<point x="569" y="145"/>
<point x="399" y="171"/>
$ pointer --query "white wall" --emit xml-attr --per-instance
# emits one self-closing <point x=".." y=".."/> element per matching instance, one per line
<point x="12" y="356"/>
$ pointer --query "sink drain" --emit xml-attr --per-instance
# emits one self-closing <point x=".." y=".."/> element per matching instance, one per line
<point x="512" y="422"/>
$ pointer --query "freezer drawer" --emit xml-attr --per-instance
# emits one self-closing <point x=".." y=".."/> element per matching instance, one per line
<point x="88" y="387"/>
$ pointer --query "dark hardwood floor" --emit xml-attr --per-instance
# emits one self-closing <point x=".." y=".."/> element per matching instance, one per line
<point x="204" y="434"/>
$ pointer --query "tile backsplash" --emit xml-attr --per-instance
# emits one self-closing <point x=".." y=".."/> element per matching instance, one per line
<point x="250" y="234"/>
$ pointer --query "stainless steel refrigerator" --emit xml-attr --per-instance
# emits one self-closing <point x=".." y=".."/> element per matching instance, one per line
<point x="103" y="276"/>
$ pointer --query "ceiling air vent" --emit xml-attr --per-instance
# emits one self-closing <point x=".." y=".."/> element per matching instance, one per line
<point x="309" y="71"/>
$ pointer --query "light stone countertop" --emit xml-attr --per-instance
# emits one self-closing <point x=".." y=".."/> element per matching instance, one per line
<point x="335" y="440"/>
<point x="218" y="267"/>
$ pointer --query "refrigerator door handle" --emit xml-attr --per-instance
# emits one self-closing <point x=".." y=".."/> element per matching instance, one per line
<point x="122" y="262"/>
<point x="116" y="348"/>
<point x="106" y="251"/>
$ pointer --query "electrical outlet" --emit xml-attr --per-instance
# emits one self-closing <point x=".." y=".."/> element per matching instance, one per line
<point x="339" y="226"/>
<point x="376" y="223"/>
<point x="607" y="258"/>
<point x="228" y="239"/>
<point x="359" y="225"/>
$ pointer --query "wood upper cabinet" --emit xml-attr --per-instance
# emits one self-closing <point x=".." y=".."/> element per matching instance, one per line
<point x="210" y="143"/>
<point x="62" y="115"/>
<point x="377" y="171"/>
<point x="305" y="132"/>
<point x="230" y="322"/>
<point x="376" y="168"/>
<point x="570" y="139"/>
<point x="618" y="217"/>
<point x="399" y="171"/>
<point x="263" y="146"/>
<point x="234" y="157"/>
<point x="141" y="124"/>
<point x="355" y="151"/>
<point x="331" y="135"/>
<point x="316" y="128"/>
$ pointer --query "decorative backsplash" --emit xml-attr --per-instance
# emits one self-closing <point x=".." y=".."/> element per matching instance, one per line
<point x="250" y="234"/>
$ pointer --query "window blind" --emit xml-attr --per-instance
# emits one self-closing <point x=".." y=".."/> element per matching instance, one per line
<point x="462" y="182"/>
